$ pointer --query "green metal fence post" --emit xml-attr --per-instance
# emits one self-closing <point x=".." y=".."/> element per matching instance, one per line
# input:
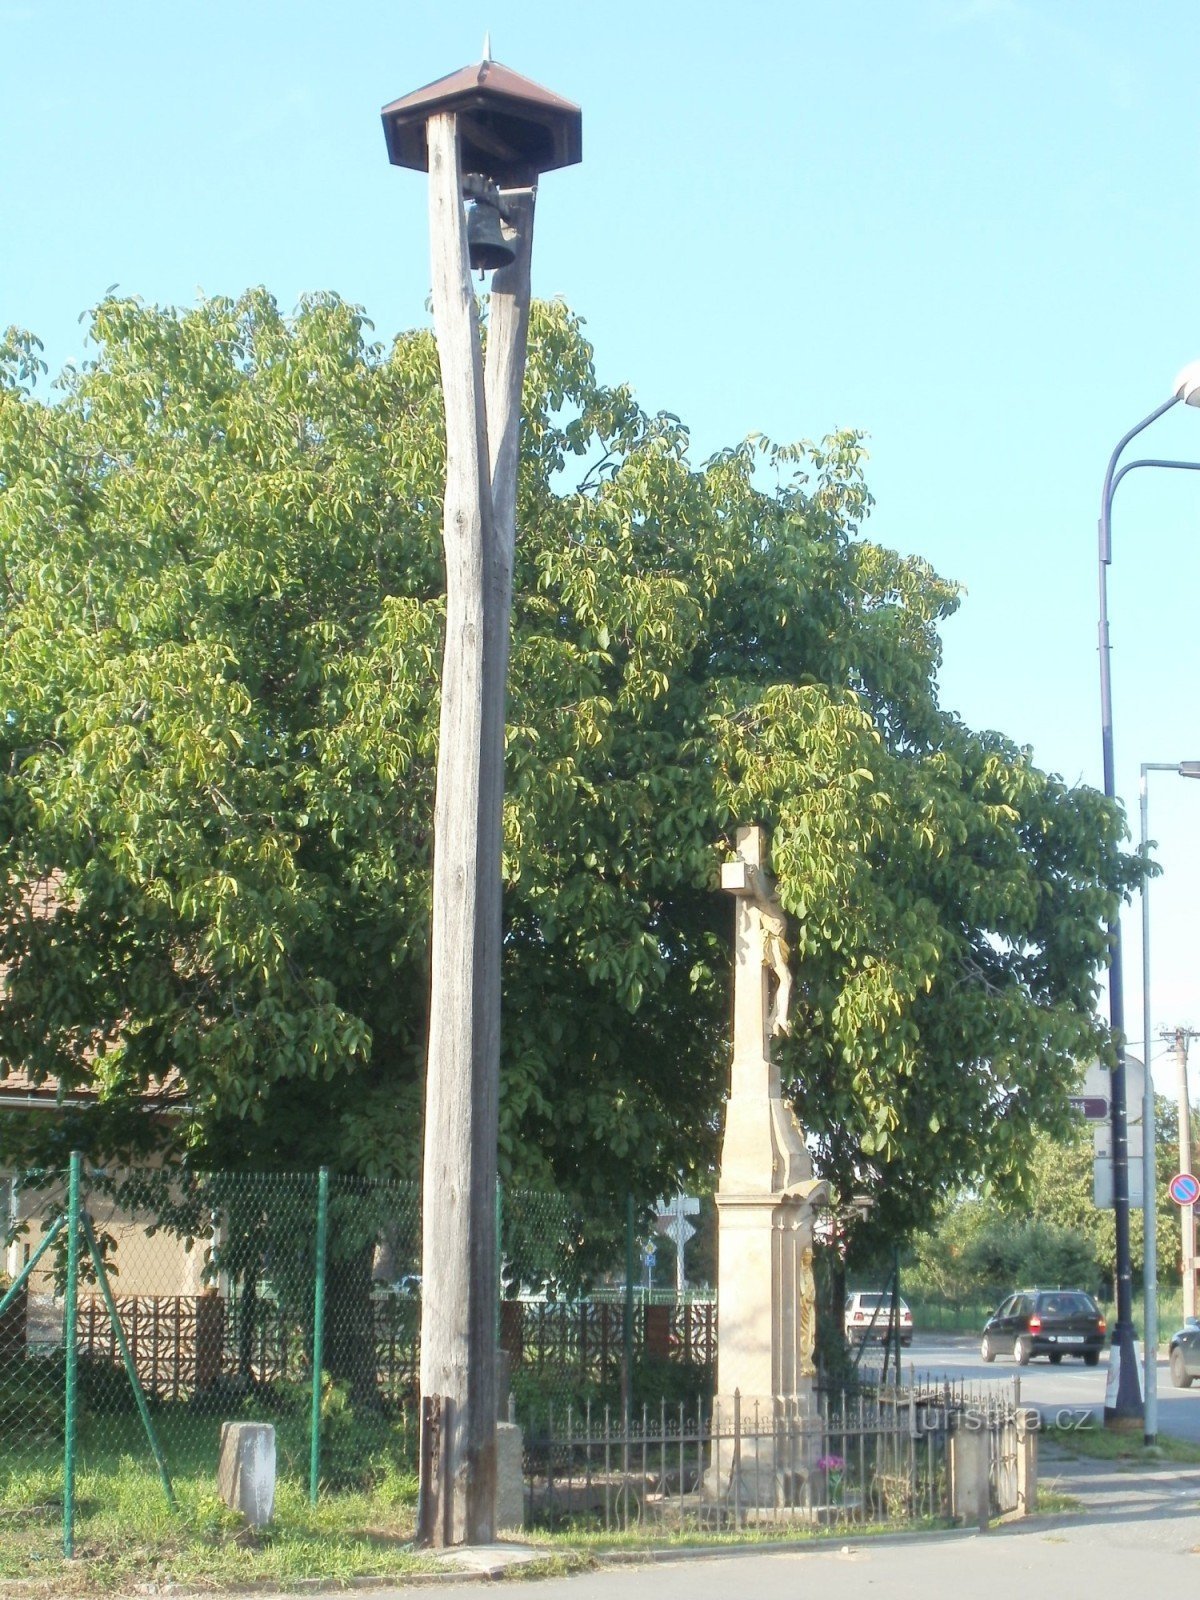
<point x="26" y="1272"/>
<point x="70" y="1332"/>
<point x="627" y="1329"/>
<point x="318" y="1344"/>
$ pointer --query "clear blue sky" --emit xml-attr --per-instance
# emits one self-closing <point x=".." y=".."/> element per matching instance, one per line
<point x="969" y="227"/>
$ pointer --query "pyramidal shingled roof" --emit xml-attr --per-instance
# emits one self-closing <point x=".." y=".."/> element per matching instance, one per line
<point x="510" y="127"/>
<point x="492" y="76"/>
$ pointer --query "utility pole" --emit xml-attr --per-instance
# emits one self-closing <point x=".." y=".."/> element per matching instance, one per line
<point x="1187" y="1214"/>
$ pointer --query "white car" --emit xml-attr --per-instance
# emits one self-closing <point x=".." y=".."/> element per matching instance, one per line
<point x="868" y="1316"/>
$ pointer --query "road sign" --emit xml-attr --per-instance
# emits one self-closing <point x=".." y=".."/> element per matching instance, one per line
<point x="1102" y="1140"/>
<point x="1097" y="1085"/>
<point x="1102" y="1182"/>
<point x="673" y="1221"/>
<point x="1184" y="1189"/>
<point x="1092" y="1107"/>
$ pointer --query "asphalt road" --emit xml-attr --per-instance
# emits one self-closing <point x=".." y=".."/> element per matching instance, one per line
<point x="1136" y="1531"/>
<point x="1134" y="1534"/>
<point x="1070" y="1388"/>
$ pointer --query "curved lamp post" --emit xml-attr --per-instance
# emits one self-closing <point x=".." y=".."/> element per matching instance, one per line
<point x="1185" y="769"/>
<point x="1123" y="1407"/>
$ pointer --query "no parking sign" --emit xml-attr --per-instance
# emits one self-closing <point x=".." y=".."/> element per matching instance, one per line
<point x="1184" y="1189"/>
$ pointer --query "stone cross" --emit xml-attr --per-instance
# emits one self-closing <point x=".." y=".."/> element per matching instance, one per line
<point x="672" y="1220"/>
<point x="765" y="1202"/>
<point x="764" y="982"/>
<point x="764" y="1149"/>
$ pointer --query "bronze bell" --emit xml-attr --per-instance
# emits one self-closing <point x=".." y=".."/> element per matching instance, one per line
<point x="487" y="247"/>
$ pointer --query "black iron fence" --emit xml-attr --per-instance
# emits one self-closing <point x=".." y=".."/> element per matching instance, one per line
<point x="885" y="1455"/>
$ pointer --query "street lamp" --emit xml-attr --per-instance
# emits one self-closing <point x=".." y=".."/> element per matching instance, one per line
<point x="1185" y="769"/>
<point x="1126" y="1408"/>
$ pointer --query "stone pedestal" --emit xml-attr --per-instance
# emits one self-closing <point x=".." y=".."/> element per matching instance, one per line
<point x="970" y="1487"/>
<point x="764" y="1245"/>
<point x="1028" y="1423"/>
<point x="246" y="1470"/>
<point x="510" y="1477"/>
<point x="766" y="1426"/>
<point x="765" y="1419"/>
<point x="210" y="1338"/>
<point x="763" y="1455"/>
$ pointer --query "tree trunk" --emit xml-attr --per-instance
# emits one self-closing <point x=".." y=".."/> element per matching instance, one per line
<point x="835" y="1319"/>
<point x="247" y="1325"/>
<point x="350" y="1355"/>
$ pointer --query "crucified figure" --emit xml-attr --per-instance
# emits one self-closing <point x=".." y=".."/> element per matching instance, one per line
<point x="773" y="922"/>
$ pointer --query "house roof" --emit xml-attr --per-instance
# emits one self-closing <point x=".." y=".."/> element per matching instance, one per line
<point x="21" y="1090"/>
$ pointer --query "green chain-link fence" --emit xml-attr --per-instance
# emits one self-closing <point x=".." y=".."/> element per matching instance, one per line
<point x="33" y="1367"/>
<point x="160" y="1304"/>
<point x="163" y="1304"/>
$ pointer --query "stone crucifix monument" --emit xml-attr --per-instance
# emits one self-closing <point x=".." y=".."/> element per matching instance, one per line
<point x="765" y="1202"/>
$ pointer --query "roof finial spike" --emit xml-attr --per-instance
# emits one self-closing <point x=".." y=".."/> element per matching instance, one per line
<point x="487" y="47"/>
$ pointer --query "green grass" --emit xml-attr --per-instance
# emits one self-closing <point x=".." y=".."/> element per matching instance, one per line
<point x="126" y="1535"/>
<point x="562" y="1564"/>
<point x="1103" y="1444"/>
<point x="1052" y="1502"/>
<point x="599" y="1542"/>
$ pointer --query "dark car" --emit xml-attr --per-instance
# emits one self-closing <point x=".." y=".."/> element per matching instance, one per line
<point x="1045" y="1322"/>
<point x="1185" y="1354"/>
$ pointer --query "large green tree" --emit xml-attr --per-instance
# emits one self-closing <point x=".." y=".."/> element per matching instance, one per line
<point x="1046" y="1229"/>
<point x="221" y="593"/>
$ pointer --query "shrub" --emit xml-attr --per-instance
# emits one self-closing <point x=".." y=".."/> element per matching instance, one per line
<point x="363" y="1447"/>
<point x="32" y="1403"/>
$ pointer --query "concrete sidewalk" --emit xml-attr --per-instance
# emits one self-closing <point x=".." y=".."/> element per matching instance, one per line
<point x="1139" y="1530"/>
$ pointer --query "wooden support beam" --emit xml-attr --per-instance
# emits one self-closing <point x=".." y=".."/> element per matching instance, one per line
<point x="460" y="1287"/>
<point x="457" y="1341"/>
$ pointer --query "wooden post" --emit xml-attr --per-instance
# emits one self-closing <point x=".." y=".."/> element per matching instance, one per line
<point x="459" y="1289"/>
<point x="428" y="1495"/>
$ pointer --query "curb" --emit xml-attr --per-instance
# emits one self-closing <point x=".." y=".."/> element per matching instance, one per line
<point x="652" y="1555"/>
<point x="617" y="1557"/>
<point x="362" y="1583"/>
<point x="580" y="1561"/>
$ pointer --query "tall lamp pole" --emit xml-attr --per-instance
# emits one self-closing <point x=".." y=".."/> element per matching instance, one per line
<point x="1185" y="769"/>
<point x="1124" y="1407"/>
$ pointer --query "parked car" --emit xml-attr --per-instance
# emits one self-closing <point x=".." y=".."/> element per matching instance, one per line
<point x="1045" y="1322"/>
<point x="868" y="1315"/>
<point x="1185" y="1354"/>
